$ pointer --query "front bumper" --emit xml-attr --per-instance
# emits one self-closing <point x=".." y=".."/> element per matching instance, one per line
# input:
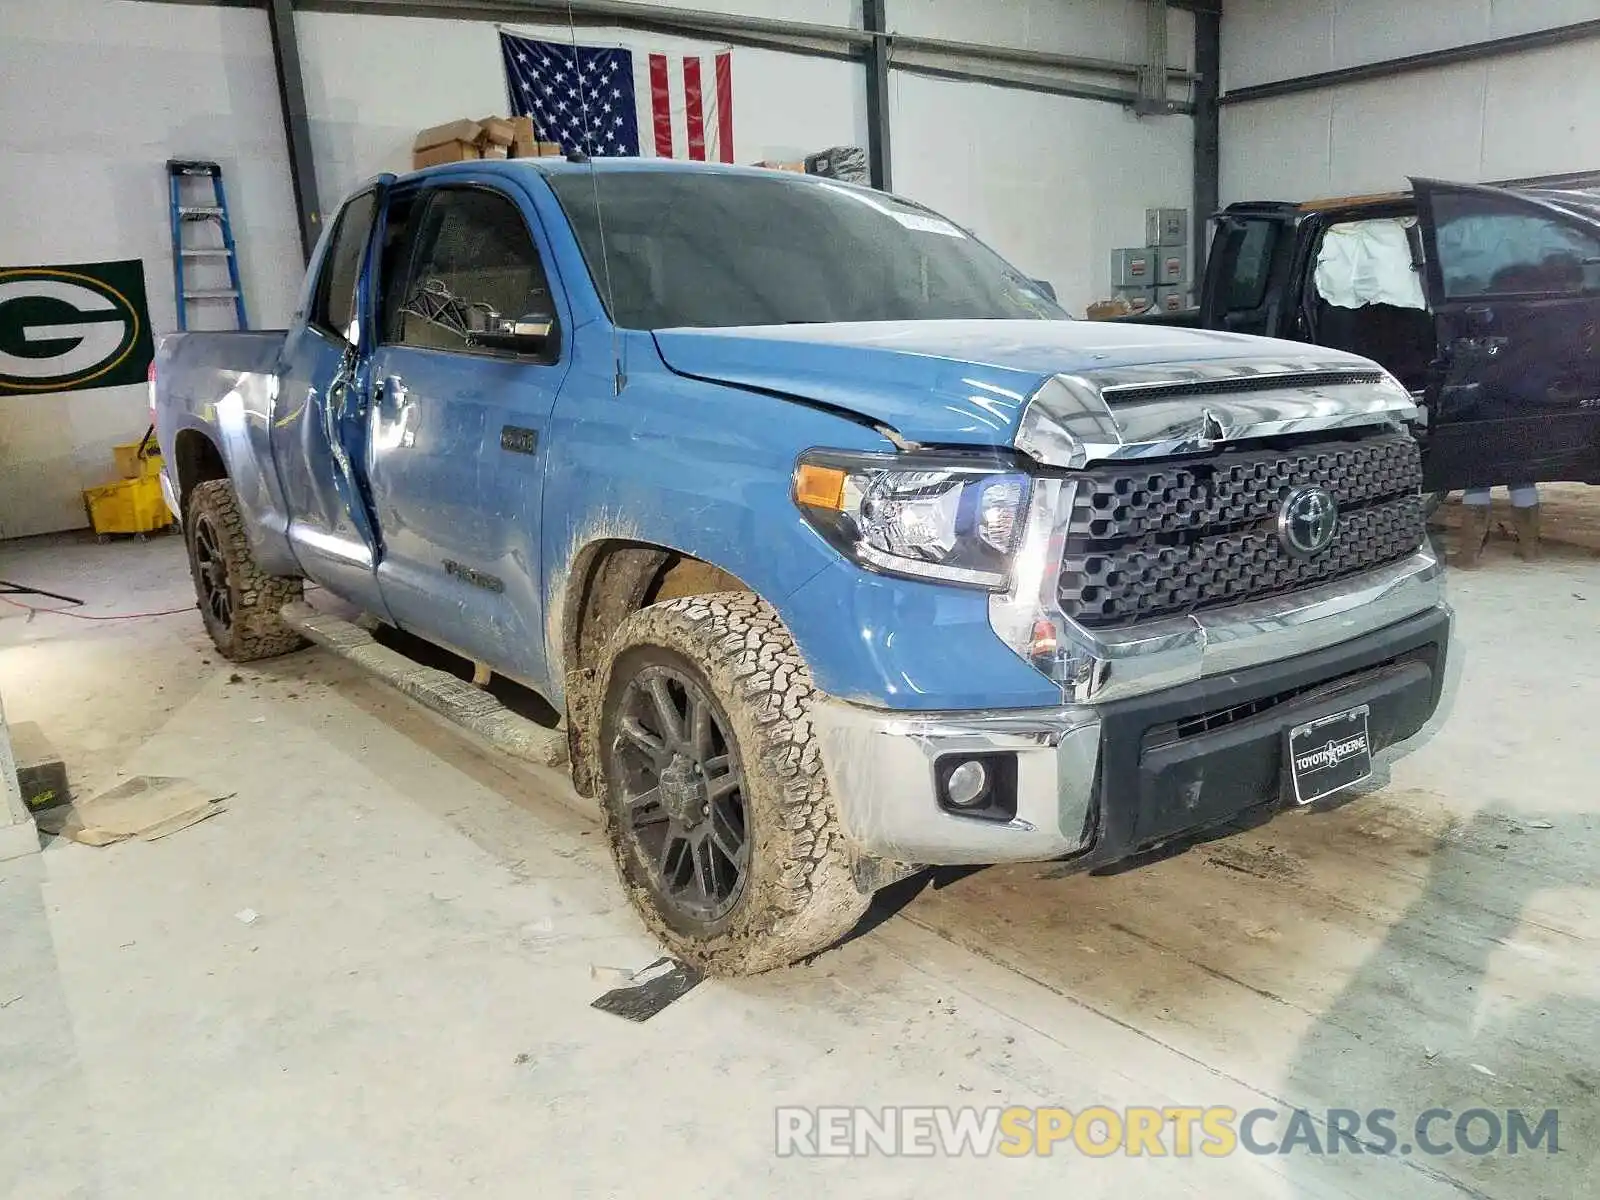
<point x="170" y="495"/>
<point x="1098" y="783"/>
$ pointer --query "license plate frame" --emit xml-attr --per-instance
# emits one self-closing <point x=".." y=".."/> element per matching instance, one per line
<point x="1329" y="754"/>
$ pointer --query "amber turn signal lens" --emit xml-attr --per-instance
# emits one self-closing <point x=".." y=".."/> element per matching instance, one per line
<point x="819" y="487"/>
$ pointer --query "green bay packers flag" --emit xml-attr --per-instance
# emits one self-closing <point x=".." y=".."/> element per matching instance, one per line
<point x="80" y="326"/>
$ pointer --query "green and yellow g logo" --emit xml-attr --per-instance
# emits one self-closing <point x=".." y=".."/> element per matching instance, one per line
<point x="70" y="327"/>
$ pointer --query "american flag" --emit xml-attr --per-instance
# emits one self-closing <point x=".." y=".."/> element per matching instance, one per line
<point x="606" y="100"/>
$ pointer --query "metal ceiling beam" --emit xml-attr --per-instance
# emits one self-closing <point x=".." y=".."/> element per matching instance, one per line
<point x="296" y="122"/>
<point x="1003" y="77"/>
<point x="1207" y="135"/>
<point x="803" y="37"/>
<point x="874" y="21"/>
<point x="978" y="62"/>
<point x="1430" y="60"/>
<point x="1015" y="56"/>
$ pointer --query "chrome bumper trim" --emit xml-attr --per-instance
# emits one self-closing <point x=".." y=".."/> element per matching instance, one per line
<point x="1096" y="665"/>
<point x="170" y="495"/>
<point x="1163" y="654"/>
<point x="881" y="768"/>
<point x="1130" y="413"/>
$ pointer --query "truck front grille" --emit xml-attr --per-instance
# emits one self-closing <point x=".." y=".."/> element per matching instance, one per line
<point x="1164" y="539"/>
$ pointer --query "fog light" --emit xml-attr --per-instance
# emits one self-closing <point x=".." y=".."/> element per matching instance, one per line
<point x="967" y="784"/>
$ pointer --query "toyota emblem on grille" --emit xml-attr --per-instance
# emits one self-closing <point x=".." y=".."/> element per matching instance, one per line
<point x="1307" y="521"/>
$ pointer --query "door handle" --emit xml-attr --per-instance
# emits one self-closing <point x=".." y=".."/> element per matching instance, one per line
<point x="1487" y="346"/>
<point x="388" y="389"/>
<point x="391" y="414"/>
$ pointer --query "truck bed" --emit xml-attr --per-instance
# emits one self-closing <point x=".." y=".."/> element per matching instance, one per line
<point x="194" y="370"/>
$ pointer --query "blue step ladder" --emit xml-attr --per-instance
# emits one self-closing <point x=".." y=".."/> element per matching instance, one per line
<point x="200" y="211"/>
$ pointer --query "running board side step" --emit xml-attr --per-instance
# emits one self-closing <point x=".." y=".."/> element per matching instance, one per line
<point x="456" y="700"/>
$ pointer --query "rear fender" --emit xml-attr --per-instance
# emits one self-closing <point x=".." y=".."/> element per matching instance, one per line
<point x="233" y="410"/>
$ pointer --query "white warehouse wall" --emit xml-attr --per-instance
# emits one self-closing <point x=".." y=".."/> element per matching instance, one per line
<point x="372" y="82"/>
<point x="1502" y="118"/>
<point x="97" y="95"/>
<point x="1053" y="183"/>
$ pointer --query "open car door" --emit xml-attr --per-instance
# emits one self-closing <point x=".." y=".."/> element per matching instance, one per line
<point x="1513" y="278"/>
<point x="1243" y="289"/>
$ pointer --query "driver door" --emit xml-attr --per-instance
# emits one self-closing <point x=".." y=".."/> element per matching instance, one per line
<point x="1514" y="283"/>
<point x="1241" y="291"/>
<point x="459" y="427"/>
<point x="319" y="431"/>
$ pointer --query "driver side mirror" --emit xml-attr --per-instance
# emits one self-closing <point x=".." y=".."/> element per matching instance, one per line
<point x="1045" y="286"/>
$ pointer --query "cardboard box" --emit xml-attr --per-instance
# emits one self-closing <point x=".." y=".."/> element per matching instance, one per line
<point x="445" y="152"/>
<point x="1132" y="268"/>
<point x="494" y="137"/>
<point x="546" y="149"/>
<point x="1106" y="310"/>
<point x="524" y="138"/>
<point x="799" y="167"/>
<point x="1166" y="227"/>
<point x="1172" y="299"/>
<point x="456" y="141"/>
<point x="1172" y="266"/>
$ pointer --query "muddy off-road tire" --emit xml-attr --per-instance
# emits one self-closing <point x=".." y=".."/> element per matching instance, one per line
<point x="238" y="601"/>
<point x="716" y="806"/>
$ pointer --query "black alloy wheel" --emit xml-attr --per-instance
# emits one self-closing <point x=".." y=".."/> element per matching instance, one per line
<point x="683" y="792"/>
<point x="211" y="572"/>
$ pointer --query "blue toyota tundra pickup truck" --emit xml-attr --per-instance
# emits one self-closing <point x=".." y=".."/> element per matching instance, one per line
<point x="841" y="549"/>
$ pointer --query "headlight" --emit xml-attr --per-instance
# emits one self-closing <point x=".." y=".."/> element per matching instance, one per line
<point x="928" y="516"/>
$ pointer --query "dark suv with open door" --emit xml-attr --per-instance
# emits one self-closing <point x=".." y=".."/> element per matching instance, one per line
<point x="1484" y="301"/>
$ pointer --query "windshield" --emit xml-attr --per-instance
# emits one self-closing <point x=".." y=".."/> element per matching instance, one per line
<point x="711" y="249"/>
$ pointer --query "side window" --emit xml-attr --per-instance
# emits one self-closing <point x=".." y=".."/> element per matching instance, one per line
<point x="394" y="263"/>
<point x="1251" y="244"/>
<point x="1486" y="248"/>
<point x="475" y="265"/>
<point x="334" y="306"/>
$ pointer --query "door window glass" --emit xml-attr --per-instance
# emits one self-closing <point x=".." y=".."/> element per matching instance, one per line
<point x="1488" y="249"/>
<point x="475" y="265"/>
<point x="334" y="305"/>
<point x="394" y="264"/>
<point x="1251" y="244"/>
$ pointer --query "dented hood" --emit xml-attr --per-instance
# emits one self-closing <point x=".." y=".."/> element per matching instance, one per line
<point x="950" y="382"/>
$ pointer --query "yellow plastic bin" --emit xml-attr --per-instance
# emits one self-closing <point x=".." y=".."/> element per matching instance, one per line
<point x="127" y="506"/>
<point x="138" y="460"/>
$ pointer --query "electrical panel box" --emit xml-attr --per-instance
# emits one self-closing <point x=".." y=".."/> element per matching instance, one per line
<point x="1139" y="299"/>
<point x="1172" y="299"/>
<point x="1133" y="268"/>
<point x="1166" y="227"/>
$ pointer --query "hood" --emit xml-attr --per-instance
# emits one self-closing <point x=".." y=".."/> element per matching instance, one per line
<point x="957" y="382"/>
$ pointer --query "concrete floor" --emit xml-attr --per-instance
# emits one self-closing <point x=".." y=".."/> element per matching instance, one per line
<point x="409" y="1016"/>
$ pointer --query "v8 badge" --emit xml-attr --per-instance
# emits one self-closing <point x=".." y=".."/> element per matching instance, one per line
<point x="64" y="328"/>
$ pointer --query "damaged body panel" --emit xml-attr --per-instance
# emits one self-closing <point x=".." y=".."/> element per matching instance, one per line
<point x="991" y="584"/>
<point x="1482" y="301"/>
